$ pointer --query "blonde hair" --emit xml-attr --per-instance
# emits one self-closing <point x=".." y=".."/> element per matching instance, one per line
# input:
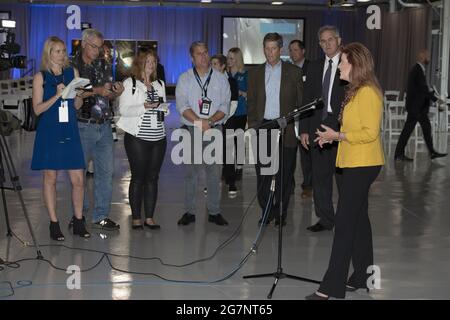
<point x="238" y="57"/>
<point x="46" y="51"/>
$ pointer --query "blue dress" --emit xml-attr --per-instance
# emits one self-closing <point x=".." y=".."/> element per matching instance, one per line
<point x="57" y="145"/>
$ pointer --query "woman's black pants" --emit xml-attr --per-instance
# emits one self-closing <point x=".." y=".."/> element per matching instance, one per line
<point x="146" y="158"/>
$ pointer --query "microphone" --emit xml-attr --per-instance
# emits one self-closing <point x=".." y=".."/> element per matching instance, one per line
<point x="309" y="106"/>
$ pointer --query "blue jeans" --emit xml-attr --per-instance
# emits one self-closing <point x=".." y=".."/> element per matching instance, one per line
<point x="97" y="142"/>
<point x="192" y="171"/>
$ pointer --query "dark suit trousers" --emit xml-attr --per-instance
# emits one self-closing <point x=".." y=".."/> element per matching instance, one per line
<point x="264" y="181"/>
<point x="353" y="234"/>
<point x="410" y="124"/>
<point x="323" y="169"/>
<point x="305" y="161"/>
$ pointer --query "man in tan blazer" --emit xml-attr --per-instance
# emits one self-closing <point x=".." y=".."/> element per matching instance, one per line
<point x="274" y="90"/>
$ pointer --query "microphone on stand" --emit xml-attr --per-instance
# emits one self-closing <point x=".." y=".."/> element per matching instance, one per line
<point x="310" y="106"/>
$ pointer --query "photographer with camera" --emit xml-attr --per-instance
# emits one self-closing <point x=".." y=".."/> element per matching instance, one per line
<point x="57" y="144"/>
<point x="94" y="123"/>
<point x="142" y="119"/>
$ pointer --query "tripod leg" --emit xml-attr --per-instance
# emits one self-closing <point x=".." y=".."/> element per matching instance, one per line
<point x="269" y="296"/>
<point x="17" y="188"/>
<point x="262" y="275"/>
<point x="5" y="207"/>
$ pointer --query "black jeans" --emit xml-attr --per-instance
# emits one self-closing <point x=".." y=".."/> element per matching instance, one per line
<point x="146" y="158"/>
<point x="229" y="170"/>
<point x="353" y="235"/>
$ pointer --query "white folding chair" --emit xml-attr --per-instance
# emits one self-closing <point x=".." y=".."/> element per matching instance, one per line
<point x="396" y="116"/>
<point x="389" y="95"/>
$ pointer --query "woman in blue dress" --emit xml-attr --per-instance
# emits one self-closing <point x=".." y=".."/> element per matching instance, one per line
<point x="57" y="145"/>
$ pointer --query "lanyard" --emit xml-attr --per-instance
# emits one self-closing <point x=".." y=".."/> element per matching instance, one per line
<point x="56" y="80"/>
<point x="204" y="87"/>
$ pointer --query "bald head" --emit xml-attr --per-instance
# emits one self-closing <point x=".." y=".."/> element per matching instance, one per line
<point x="423" y="56"/>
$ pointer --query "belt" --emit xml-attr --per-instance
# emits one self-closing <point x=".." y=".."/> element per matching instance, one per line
<point x="93" y="121"/>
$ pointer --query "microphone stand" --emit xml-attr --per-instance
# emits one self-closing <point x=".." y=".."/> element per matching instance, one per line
<point x="282" y="124"/>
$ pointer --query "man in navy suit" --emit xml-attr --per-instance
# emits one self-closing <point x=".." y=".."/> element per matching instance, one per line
<point x="418" y="98"/>
<point x="297" y="51"/>
<point x="323" y="80"/>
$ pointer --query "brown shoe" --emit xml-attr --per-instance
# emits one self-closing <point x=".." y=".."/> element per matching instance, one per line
<point x="306" y="193"/>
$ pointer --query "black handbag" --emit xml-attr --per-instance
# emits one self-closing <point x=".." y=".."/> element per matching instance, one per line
<point x="30" y="119"/>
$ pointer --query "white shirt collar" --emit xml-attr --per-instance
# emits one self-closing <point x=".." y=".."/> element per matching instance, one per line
<point x="335" y="59"/>
<point x="301" y="63"/>
<point x="422" y="66"/>
<point x="268" y="65"/>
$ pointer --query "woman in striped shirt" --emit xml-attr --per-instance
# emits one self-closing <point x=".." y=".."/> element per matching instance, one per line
<point x="142" y="119"/>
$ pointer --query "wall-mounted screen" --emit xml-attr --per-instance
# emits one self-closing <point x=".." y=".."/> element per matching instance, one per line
<point x="248" y="35"/>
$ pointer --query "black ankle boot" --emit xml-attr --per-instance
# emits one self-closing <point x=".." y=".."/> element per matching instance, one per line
<point x="79" y="228"/>
<point x="55" y="231"/>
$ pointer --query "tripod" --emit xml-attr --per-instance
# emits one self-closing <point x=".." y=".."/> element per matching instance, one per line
<point x="282" y="124"/>
<point x="6" y="156"/>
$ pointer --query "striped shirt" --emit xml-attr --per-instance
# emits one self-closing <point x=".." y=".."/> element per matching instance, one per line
<point x="151" y="129"/>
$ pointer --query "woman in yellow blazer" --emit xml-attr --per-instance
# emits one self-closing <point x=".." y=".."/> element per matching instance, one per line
<point x="360" y="156"/>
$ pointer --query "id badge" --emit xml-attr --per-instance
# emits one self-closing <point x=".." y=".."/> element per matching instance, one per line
<point x="64" y="111"/>
<point x="205" y="107"/>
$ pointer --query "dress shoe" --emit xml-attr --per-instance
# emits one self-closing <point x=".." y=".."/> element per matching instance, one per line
<point x="435" y="155"/>
<point x="317" y="227"/>
<point x="306" y="193"/>
<point x="315" y="296"/>
<point x="153" y="226"/>
<point x="277" y="222"/>
<point x="217" y="219"/>
<point x="137" y="226"/>
<point x="353" y="289"/>
<point x="186" y="219"/>
<point x="402" y="157"/>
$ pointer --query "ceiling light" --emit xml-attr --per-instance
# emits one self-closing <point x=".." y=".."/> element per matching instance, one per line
<point x="348" y="3"/>
<point x="205" y="1"/>
<point x="277" y="3"/>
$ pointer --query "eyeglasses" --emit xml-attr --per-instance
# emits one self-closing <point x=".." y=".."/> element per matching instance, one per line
<point x="93" y="46"/>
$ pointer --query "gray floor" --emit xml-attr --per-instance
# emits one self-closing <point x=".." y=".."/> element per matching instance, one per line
<point x="408" y="209"/>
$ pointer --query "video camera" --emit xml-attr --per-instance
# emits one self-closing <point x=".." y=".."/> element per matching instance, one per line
<point x="9" y="50"/>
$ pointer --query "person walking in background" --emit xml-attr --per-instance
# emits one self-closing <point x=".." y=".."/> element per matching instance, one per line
<point x="418" y="98"/>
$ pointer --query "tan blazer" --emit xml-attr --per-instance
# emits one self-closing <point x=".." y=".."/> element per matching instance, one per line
<point x="291" y="91"/>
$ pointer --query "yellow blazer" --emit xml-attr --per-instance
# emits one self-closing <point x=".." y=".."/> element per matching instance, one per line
<point x="361" y="123"/>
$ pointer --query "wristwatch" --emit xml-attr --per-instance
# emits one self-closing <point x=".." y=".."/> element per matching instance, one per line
<point x="210" y="123"/>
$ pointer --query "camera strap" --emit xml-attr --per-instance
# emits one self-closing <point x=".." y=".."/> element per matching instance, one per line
<point x="133" y="89"/>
